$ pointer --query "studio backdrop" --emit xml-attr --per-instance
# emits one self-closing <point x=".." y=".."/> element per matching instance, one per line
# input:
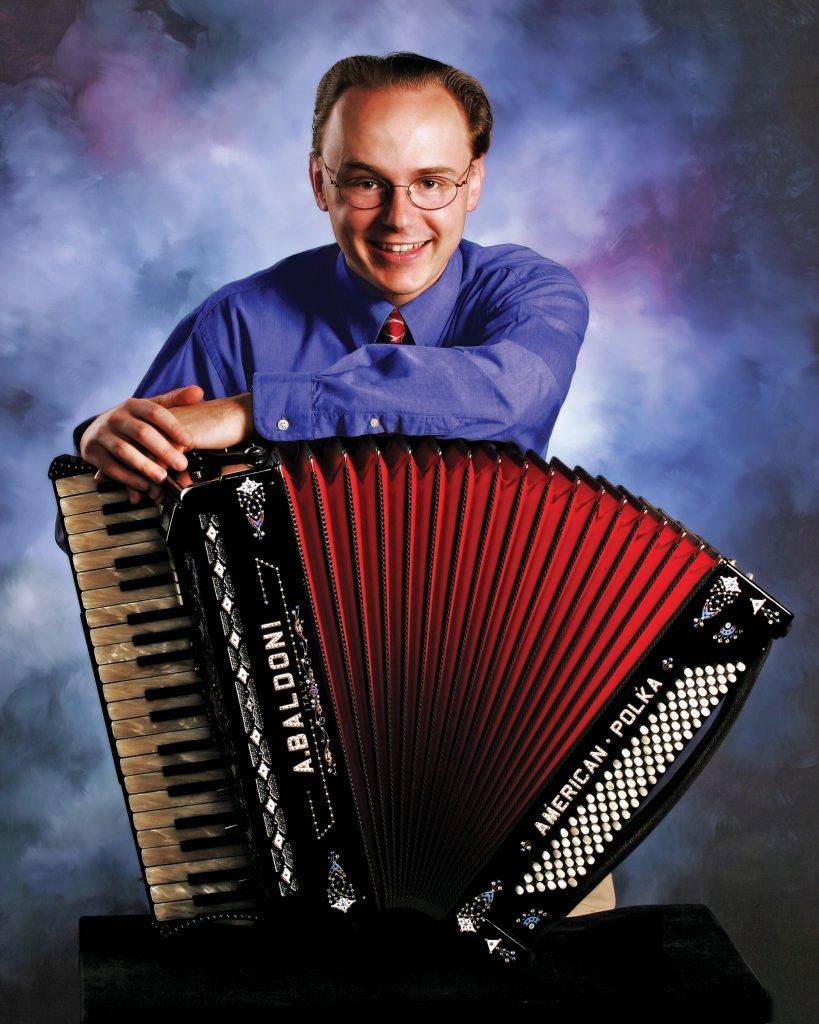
<point x="154" y="150"/>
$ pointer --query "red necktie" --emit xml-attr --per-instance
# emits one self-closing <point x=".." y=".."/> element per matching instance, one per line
<point x="394" y="330"/>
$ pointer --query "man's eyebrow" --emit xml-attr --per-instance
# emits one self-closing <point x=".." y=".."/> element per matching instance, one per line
<point x="358" y="165"/>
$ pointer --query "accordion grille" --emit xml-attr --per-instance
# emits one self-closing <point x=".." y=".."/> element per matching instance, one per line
<point x="475" y="610"/>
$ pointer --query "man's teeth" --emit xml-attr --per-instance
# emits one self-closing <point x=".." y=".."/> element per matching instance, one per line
<point x="400" y="248"/>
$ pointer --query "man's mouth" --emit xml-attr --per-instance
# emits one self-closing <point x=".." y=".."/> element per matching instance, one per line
<point x="403" y="247"/>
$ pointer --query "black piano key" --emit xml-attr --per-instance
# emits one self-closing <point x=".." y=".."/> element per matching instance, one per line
<point x="132" y="525"/>
<point x="225" y="875"/>
<point x="188" y="845"/>
<point x="163" y="749"/>
<point x="146" y="581"/>
<point x="192" y="767"/>
<point x="137" y="618"/>
<point x="199" y="820"/>
<point x="115" y="507"/>
<point x="134" y="561"/>
<point x="106" y="486"/>
<point x="168" y="714"/>
<point x="212" y="899"/>
<point x="182" y="690"/>
<point x="139" y="639"/>
<point x="144" y="660"/>
<point x="193" y="788"/>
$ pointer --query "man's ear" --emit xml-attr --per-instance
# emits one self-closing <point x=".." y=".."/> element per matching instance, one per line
<point x="315" y="169"/>
<point x="475" y="183"/>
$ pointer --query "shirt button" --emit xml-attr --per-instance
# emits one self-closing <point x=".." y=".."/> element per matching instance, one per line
<point x="375" y="421"/>
<point x="283" y="424"/>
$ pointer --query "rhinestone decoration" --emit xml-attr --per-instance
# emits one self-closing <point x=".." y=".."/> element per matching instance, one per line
<point x="531" y="919"/>
<point x="771" y="615"/>
<point x="727" y="633"/>
<point x="721" y="594"/>
<point x="473" y="914"/>
<point x="340" y="892"/>
<point x="251" y="500"/>
<point x="236" y="648"/>
<point x="472" y="917"/>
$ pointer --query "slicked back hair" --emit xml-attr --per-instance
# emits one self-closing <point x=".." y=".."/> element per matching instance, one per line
<point x="410" y="71"/>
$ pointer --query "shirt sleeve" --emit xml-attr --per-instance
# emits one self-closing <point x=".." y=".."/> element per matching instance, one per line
<point x="507" y="384"/>
<point x="187" y="357"/>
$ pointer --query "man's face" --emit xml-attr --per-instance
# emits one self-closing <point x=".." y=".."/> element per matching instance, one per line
<point x="399" y="134"/>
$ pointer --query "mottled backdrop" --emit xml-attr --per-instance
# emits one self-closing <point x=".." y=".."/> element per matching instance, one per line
<point x="151" y="151"/>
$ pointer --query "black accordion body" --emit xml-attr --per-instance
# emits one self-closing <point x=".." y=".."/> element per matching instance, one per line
<point x="374" y="673"/>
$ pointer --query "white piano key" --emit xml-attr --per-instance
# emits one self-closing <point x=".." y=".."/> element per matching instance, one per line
<point x="166" y="817"/>
<point x="85" y="522"/>
<point x="105" y="557"/>
<point x="145" y="726"/>
<point x="152" y="781"/>
<point x="166" y="873"/>
<point x="150" y="744"/>
<point x="159" y="799"/>
<point x="118" y="614"/>
<point x="124" y="633"/>
<point x="139" y="764"/>
<point x="120" y="653"/>
<point x="96" y="539"/>
<point x="130" y="670"/>
<point x="90" y="501"/>
<point x="137" y="687"/>
<point x="182" y="891"/>
<point x="94" y="579"/>
<point x="79" y="484"/>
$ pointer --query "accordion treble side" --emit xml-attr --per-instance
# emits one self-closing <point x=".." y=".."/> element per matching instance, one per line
<point x="401" y="673"/>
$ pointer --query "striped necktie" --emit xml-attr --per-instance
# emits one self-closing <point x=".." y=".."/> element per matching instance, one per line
<point x="394" y="331"/>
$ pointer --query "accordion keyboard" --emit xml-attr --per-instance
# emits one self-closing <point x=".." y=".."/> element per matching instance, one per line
<point x="176" y="780"/>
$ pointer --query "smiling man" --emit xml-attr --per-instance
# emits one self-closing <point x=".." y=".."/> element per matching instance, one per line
<point x="402" y="325"/>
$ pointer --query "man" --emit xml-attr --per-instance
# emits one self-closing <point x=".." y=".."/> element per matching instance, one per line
<point x="402" y="326"/>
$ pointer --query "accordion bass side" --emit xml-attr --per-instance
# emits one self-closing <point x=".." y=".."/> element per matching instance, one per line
<point x="366" y="674"/>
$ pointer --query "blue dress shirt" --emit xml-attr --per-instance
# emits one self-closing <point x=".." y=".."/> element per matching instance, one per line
<point x="496" y="341"/>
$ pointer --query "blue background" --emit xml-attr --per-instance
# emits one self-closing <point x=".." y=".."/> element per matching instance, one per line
<point x="152" y="151"/>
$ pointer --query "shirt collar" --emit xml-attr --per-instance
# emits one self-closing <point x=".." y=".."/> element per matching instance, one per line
<point x="426" y="315"/>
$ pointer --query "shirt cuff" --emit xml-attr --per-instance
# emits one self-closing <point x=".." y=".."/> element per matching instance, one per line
<point x="283" y="406"/>
<point x="80" y="430"/>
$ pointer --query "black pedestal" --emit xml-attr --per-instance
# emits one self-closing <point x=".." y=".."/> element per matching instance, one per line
<point x="665" y="964"/>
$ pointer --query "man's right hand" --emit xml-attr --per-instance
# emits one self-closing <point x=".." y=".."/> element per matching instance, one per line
<point x="138" y="441"/>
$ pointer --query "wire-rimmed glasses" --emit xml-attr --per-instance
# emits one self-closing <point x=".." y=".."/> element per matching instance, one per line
<point x="427" y="192"/>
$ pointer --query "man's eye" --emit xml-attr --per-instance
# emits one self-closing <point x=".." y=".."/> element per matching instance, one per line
<point x="430" y="184"/>
<point x="365" y="184"/>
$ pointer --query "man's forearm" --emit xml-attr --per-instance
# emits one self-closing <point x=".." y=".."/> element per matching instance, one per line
<point x="219" y="423"/>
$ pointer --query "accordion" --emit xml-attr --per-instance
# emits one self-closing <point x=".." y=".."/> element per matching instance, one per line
<point x="365" y="674"/>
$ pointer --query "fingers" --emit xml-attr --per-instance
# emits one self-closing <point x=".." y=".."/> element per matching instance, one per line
<point x="121" y="461"/>
<point x="153" y="443"/>
<point x="189" y="395"/>
<point x="150" y="412"/>
<point x="134" y="497"/>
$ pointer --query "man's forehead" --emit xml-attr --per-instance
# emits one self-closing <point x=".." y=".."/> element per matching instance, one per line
<point x="375" y="130"/>
<point x="361" y="165"/>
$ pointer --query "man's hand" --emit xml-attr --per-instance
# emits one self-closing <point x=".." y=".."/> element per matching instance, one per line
<point x="220" y="423"/>
<point x="138" y="441"/>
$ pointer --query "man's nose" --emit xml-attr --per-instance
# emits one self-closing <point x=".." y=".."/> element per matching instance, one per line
<point x="398" y="210"/>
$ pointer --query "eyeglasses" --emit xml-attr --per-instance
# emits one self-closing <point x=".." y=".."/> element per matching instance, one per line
<point x="429" y="192"/>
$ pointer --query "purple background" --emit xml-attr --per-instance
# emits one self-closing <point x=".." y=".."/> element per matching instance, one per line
<point x="152" y="151"/>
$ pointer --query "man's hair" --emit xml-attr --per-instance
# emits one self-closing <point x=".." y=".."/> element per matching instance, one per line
<point x="409" y="71"/>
